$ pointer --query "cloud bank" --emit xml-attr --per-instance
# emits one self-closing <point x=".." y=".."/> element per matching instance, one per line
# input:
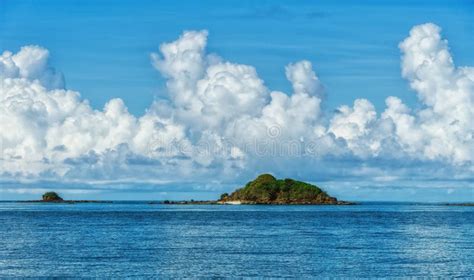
<point x="221" y="122"/>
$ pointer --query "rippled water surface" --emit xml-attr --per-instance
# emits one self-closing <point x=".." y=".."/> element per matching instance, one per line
<point x="144" y="240"/>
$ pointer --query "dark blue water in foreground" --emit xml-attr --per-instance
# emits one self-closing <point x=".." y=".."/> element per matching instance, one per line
<point x="142" y="240"/>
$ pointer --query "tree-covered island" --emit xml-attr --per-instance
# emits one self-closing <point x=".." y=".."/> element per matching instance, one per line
<point x="266" y="189"/>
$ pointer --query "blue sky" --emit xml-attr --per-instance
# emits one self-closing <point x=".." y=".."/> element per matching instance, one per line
<point x="104" y="50"/>
<point x="103" y="47"/>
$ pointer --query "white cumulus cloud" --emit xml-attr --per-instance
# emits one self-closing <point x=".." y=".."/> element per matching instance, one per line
<point x="221" y="118"/>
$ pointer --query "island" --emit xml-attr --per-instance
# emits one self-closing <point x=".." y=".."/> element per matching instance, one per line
<point x="53" y="197"/>
<point x="266" y="189"/>
<point x="460" y="204"/>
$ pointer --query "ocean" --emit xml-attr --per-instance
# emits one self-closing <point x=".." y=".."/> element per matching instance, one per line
<point x="137" y="240"/>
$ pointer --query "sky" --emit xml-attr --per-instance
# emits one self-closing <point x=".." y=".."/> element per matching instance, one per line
<point x="116" y="99"/>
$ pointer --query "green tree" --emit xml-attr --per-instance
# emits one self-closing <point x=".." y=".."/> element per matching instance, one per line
<point x="51" y="196"/>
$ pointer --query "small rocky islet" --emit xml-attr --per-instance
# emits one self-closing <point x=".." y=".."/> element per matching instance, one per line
<point x="53" y="197"/>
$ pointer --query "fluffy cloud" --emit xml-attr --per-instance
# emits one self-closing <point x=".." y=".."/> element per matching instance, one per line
<point x="31" y="62"/>
<point x="221" y="119"/>
<point x="44" y="127"/>
<point x="447" y="91"/>
<point x="207" y="92"/>
<point x="442" y="130"/>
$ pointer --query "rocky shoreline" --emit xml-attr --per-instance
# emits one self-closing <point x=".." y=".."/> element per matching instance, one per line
<point x="65" y="201"/>
<point x="238" y="202"/>
<point x="460" y="204"/>
<point x="186" y="202"/>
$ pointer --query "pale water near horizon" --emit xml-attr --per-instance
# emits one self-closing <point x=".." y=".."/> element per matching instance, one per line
<point x="155" y="240"/>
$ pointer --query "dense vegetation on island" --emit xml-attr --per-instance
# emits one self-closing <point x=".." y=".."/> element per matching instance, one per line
<point x="266" y="189"/>
<point x="51" y="196"/>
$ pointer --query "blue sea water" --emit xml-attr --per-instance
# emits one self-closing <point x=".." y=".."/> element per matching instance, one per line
<point x="154" y="240"/>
